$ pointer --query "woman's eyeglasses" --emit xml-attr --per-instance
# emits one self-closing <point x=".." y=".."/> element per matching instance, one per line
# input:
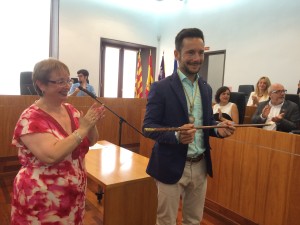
<point x="61" y="83"/>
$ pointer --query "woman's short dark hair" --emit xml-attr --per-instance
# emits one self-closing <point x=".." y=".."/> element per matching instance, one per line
<point x="219" y="92"/>
<point x="187" y="33"/>
<point x="43" y="69"/>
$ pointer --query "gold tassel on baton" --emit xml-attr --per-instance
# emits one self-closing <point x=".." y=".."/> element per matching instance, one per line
<point x="164" y="129"/>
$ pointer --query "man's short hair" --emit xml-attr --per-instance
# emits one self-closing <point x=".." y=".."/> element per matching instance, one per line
<point x="84" y="72"/>
<point x="187" y="33"/>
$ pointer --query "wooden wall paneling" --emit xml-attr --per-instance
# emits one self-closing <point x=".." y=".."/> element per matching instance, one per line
<point x="146" y="144"/>
<point x="216" y="145"/>
<point x="282" y="141"/>
<point x="248" y="181"/>
<point x="11" y="108"/>
<point x="248" y="114"/>
<point x="130" y="109"/>
<point x="257" y="175"/>
<point x="296" y="145"/>
<point x="229" y="172"/>
<point x="263" y="164"/>
<point x="293" y="195"/>
<point x="254" y="166"/>
<point x="277" y="186"/>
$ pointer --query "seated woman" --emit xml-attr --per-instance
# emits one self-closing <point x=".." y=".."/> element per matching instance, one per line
<point x="223" y="109"/>
<point x="261" y="92"/>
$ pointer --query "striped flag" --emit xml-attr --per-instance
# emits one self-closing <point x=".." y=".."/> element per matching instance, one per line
<point x="150" y="79"/>
<point x="138" y="92"/>
<point x="162" y="73"/>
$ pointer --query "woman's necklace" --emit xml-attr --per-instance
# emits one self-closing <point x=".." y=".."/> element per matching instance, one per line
<point x="191" y="117"/>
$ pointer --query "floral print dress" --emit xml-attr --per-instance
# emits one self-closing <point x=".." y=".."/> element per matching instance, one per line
<point x="48" y="194"/>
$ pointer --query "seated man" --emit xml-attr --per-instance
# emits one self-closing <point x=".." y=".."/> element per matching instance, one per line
<point x="283" y="115"/>
<point x="83" y="81"/>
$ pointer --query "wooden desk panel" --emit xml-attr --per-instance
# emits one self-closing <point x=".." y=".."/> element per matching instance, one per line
<point x="256" y="175"/>
<point x="130" y="195"/>
<point x="146" y="144"/>
<point x="249" y="113"/>
<point x="11" y="108"/>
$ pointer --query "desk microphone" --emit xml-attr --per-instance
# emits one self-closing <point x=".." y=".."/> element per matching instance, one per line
<point x="88" y="92"/>
<point x="121" y="119"/>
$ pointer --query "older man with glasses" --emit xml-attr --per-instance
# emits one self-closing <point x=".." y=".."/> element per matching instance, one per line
<point x="282" y="114"/>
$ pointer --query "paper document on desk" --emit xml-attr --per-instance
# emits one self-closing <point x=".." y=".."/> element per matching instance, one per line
<point x="97" y="146"/>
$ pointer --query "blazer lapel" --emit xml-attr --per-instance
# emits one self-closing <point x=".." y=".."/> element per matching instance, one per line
<point x="284" y="107"/>
<point x="177" y="88"/>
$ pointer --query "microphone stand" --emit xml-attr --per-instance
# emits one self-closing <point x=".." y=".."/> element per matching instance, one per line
<point x="121" y="119"/>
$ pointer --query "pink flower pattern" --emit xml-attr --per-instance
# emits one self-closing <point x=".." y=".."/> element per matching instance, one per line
<point x="45" y="194"/>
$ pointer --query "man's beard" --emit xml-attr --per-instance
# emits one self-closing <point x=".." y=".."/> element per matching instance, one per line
<point x="189" y="72"/>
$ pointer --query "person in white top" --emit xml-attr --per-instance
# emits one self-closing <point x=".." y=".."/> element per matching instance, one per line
<point x="223" y="109"/>
<point x="261" y="92"/>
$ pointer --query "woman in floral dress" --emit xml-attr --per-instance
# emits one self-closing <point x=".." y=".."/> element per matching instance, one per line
<point x="53" y="138"/>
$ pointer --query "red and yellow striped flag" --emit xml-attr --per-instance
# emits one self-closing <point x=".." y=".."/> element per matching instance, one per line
<point x="138" y="92"/>
<point x="150" y="79"/>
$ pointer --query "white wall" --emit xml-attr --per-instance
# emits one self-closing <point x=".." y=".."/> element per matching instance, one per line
<point x="24" y="40"/>
<point x="84" y="22"/>
<point x="260" y="38"/>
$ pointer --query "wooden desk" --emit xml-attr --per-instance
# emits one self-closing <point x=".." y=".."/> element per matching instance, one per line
<point x="12" y="106"/>
<point x="250" y="110"/>
<point x="130" y="195"/>
<point x="146" y="144"/>
<point x="256" y="174"/>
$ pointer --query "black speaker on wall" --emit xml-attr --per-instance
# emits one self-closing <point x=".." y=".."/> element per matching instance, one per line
<point x="26" y="85"/>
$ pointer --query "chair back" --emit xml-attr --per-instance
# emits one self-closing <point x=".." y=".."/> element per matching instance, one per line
<point x="26" y="85"/>
<point x="239" y="99"/>
<point x="247" y="89"/>
<point x="293" y="98"/>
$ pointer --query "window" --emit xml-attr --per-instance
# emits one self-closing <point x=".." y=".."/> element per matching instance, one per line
<point x="118" y="67"/>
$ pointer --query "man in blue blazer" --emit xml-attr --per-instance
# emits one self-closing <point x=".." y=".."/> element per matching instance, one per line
<point x="283" y="115"/>
<point x="181" y="160"/>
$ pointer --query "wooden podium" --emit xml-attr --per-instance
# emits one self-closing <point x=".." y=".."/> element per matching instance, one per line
<point x="250" y="110"/>
<point x="256" y="174"/>
<point x="130" y="195"/>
